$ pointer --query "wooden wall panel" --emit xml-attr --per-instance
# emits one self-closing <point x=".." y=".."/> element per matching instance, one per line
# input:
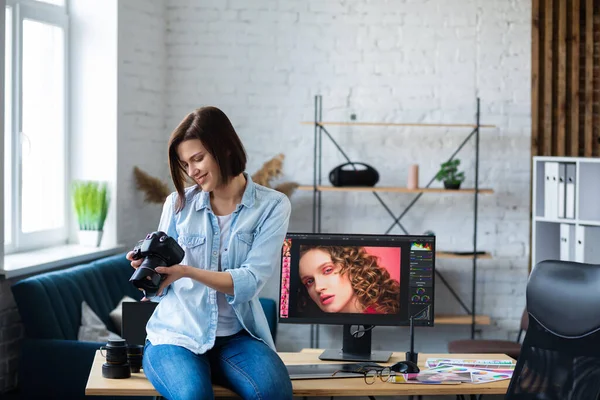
<point x="561" y="81"/>
<point x="589" y="76"/>
<point x="596" y="86"/>
<point x="573" y="71"/>
<point x="535" y="81"/>
<point x="565" y="78"/>
<point x="547" y="68"/>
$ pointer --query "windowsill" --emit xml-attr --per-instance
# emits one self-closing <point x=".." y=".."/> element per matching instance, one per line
<point x="32" y="262"/>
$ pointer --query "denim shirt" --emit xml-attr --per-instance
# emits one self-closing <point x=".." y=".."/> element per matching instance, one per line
<point x="187" y="311"/>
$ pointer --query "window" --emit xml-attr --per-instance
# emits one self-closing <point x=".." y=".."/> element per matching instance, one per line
<point x="35" y="169"/>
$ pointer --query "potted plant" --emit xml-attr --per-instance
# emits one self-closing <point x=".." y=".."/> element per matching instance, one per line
<point x="449" y="174"/>
<point x="90" y="201"/>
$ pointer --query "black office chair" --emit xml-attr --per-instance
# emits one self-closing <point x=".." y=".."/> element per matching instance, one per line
<point x="560" y="356"/>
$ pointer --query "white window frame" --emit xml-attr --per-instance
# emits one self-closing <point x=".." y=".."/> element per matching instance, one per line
<point x="57" y="16"/>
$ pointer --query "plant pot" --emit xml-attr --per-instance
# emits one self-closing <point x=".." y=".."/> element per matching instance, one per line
<point x="90" y="238"/>
<point x="452" y="185"/>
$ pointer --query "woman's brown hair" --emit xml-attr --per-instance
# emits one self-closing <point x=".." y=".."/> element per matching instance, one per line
<point x="212" y="127"/>
<point x="371" y="282"/>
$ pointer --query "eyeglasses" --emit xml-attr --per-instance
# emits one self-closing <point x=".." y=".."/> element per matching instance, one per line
<point x="371" y="374"/>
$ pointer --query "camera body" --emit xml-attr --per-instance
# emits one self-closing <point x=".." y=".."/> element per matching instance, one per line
<point x="158" y="250"/>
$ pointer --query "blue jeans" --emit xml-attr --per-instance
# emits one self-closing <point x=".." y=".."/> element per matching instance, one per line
<point x="239" y="362"/>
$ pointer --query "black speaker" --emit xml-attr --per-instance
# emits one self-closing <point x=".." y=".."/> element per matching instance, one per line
<point x="354" y="174"/>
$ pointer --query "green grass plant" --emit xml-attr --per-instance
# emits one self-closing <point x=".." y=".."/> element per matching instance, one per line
<point x="90" y="200"/>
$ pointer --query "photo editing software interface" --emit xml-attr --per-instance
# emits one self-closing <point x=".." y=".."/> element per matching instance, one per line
<point x="357" y="279"/>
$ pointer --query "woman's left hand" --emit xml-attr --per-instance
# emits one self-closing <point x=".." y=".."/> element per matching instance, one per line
<point x="171" y="274"/>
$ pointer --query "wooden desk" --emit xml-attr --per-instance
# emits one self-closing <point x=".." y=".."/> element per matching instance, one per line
<point x="138" y="385"/>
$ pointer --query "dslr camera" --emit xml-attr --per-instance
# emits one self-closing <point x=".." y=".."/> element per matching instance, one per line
<point x="158" y="250"/>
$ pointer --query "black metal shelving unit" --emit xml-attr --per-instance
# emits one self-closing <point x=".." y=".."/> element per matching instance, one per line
<point x="317" y="189"/>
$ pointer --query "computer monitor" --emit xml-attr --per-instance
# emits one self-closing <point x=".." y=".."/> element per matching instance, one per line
<point x="358" y="281"/>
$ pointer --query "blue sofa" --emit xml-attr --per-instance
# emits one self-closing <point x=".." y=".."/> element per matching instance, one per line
<point x="53" y="364"/>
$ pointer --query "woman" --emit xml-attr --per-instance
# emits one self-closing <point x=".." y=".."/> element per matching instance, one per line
<point x="209" y="325"/>
<point x="342" y="279"/>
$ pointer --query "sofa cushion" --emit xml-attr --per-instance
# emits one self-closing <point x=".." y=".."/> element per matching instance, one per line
<point x="92" y="328"/>
<point x="50" y="304"/>
<point x="116" y="315"/>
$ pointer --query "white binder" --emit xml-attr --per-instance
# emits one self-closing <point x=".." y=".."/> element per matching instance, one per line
<point x="567" y="242"/>
<point x="570" y="190"/>
<point x="579" y="243"/>
<point x="562" y="172"/>
<point x="587" y="248"/>
<point x="551" y="190"/>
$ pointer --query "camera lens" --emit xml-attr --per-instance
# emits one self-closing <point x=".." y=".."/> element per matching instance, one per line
<point x="134" y="357"/>
<point x="145" y="277"/>
<point x="116" y="371"/>
<point x="116" y="351"/>
<point x="116" y="365"/>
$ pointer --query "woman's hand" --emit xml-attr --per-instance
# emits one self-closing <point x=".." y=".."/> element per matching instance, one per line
<point x="171" y="274"/>
<point x="134" y="263"/>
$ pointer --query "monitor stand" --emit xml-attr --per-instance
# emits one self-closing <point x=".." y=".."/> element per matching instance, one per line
<point x="356" y="348"/>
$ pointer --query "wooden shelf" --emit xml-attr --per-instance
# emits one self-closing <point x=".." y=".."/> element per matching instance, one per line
<point x="393" y="189"/>
<point x="432" y="125"/>
<point x="445" y="254"/>
<point x="461" y="319"/>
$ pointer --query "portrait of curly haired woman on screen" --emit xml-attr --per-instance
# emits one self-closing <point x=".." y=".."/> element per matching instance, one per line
<point x="345" y="279"/>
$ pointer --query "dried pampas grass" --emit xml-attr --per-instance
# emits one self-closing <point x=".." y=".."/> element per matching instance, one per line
<point x="155" y="190"/>
<point x="272" y="170"/>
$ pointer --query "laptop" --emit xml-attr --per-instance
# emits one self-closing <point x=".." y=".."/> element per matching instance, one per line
<point x="135" y="317"/>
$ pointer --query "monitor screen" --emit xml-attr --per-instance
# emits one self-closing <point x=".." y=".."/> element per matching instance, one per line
<point x="357" y="279"/>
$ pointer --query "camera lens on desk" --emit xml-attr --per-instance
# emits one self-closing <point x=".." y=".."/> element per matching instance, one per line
<point x="116" y="365"/>
<point x="135" y="353"/>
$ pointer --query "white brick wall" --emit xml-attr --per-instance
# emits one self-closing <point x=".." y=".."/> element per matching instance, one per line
<point x="142" y="135"/>
<point x="263" y="61"/>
